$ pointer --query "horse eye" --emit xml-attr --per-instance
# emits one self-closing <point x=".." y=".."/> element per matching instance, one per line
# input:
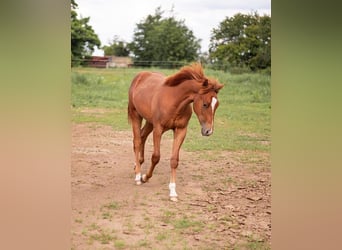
<point x="205" y="105"/>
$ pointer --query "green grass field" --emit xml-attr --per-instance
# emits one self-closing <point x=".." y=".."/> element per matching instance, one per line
<point x="242" y="121"/>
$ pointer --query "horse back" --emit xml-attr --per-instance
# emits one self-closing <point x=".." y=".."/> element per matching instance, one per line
<point x="146" y="81"/>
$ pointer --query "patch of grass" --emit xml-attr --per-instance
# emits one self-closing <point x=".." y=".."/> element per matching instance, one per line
<point x="228" y="180"/>
<point x="168" y="216"/>
<point x="129" y="225"/>
<point x="255" y="159"/>
<point x="104" y="88"/>
<point x="226" y="218"/>
<point x="185" y="223"/>
<point x="102" y="237"/>
<point x="144" y="243"/>
<point x="119" y="244"/>
<point x="106" y="210"/>
<point x="253" y="245"/>
<point x="115" y="118"/>
<point x="197" y="177"/>
<point x="161" y="236"/>
<point x="107" y="215"/>
<point x="112" y="206"/>
<point x="96" y="233"/>
<point x="148" y="225"/>
<point x="86" y="79"/>
<point x="78" y="220"/>
<point x="252" y="119"/>
<point x="93" y="227"/>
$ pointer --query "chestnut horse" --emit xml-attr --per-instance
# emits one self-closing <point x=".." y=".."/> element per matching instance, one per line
<point x="165" y="103"/>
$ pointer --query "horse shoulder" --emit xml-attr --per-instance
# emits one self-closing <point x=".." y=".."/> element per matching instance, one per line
<point x="183" y="118"/>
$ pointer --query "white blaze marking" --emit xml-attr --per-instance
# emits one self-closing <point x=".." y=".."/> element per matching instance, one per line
<point x="213" y="104"/>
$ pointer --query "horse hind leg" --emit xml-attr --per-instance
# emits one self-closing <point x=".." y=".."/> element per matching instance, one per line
<point x="136" y="121"/>
<point x="144" y="133"/>
<point x="157" y="133"/>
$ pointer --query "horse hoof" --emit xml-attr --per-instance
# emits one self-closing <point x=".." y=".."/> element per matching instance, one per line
<point x="138" y="183"/>
<point x="173" y="198"/>
<point x="143" y="178"/>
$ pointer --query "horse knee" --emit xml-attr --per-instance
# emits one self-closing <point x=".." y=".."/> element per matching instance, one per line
<point x="174" y="162"/>
<point x="155" y="158"/>
<point x="136" y="144"/>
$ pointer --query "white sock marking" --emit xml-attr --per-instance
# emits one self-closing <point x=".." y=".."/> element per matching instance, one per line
<point x="138" y="177"/>
<point x="172" y="187"/>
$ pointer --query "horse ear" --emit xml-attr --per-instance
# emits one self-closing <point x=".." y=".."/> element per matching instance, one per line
<point x="218" y="87"/>
<point x="205" y="83"/>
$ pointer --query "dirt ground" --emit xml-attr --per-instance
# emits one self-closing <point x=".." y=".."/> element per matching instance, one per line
<point x="224" y="197"/>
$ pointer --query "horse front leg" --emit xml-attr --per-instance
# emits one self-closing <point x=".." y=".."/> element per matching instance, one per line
<point x="179" y="135"/>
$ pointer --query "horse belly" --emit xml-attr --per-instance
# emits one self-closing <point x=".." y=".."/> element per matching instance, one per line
<point x="142" y="102"/>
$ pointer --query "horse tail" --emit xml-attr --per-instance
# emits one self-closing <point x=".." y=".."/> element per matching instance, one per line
<point x="131" y="108"/>
<point x="129" y="112"/>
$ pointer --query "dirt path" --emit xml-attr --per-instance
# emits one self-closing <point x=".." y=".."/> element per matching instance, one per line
<point x="224" y="198"/>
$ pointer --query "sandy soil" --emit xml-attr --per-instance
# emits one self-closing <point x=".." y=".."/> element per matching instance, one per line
<point x="224" y="197"/>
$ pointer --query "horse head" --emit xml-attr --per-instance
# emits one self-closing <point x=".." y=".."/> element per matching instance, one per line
<point x="205" y="105"/>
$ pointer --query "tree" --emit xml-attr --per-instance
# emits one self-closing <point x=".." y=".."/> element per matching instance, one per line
<point x="242" y="41"/>
<point x="163" y="39"/>
<point x="116" y="48"/>
<point x="83" y="37"/>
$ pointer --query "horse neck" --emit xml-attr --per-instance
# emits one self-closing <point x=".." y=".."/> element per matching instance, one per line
<point x="185" y="93"/>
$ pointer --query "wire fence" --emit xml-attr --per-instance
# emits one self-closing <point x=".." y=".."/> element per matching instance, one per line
<point x="108" y="62"/>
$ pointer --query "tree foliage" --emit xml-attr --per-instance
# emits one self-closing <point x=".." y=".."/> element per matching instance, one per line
<point x="83" y="37"/>
<point x="116" y="47"/>
<point x="242" y="41"/>
<point x="159" y="38"/>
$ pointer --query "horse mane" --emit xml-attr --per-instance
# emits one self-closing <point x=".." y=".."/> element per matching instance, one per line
<point x="194" y="72"/>
<point x="191" y="72"/>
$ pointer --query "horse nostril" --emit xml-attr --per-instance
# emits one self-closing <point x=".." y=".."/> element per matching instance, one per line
<point x="206" y="132"/>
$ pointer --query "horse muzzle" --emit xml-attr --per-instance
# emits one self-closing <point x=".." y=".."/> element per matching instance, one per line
<point x="206" y="131"/>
